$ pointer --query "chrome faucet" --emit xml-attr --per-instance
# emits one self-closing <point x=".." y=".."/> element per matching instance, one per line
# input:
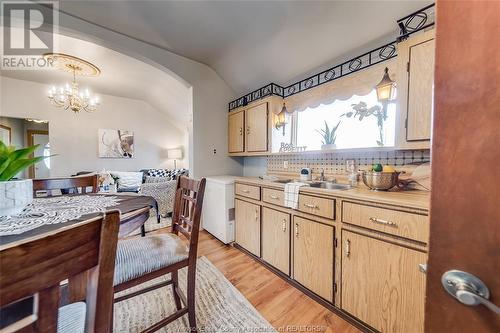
<point x="322" y="175"/>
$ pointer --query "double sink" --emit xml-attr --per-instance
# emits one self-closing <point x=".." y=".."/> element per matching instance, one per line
<point x="324" y="184"/>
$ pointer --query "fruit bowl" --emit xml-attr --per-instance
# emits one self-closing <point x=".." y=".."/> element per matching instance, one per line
<point x="380" y="181"/>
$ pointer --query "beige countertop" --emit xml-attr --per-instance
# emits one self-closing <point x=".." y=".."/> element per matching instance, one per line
<point x="406" y="198"/>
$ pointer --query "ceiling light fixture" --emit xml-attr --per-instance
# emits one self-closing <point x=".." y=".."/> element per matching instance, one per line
<point x="69" y="96"/>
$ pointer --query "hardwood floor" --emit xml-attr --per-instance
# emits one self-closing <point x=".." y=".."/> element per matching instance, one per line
<point x="284" y="306"/>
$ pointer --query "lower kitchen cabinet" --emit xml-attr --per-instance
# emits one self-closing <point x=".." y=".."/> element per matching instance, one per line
<point x="276" y="239"/>
<point x="382" y="284"/>
<point x="247" y="230"/>
<point x="313" y="256"/>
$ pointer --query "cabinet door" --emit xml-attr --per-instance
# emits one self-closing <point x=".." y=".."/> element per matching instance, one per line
<point x="382" y="284"/>
<point x="276" y="239"/>
<point x="313" y="256"/>
<point x="420" y="91"/>
<point x="236" y="130"/>
<point x="247" y="219"/>
<point x="256" y="128"/>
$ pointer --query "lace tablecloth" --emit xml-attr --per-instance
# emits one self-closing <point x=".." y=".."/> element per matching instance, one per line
<point x="46" y="211"/>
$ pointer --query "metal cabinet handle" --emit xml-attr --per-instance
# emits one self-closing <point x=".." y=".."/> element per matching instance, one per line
<point x="241" y="130"/>
<point x="422" y="268"/>
<point x="256" y="214"/>
<point x="296" y="230"/>
<point x="272" y="196"/>
<point x="248" y="129"/>
<point x="380" y="221"/>
<point x="245" y="191"/>
<point x="468" y="289"/>
<point x="311" y="206"/>
<point x="284" y="225"/>
<point x="347" y="248"/>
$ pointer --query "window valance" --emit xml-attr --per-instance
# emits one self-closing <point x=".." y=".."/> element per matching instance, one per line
<point x="359" y="83"/>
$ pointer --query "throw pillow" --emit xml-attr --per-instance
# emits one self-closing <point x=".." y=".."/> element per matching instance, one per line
<point x="157" y="179"/>
<point x="128" y="180"/>
<point x="158" y="173"/>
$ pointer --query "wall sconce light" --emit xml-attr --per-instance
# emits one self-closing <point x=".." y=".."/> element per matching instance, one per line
<point x="281" y="120"/>
<point x="386" y="89"/>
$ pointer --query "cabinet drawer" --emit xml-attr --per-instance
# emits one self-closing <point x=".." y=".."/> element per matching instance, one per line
<point x="276" y="197"/>
<point x="317" y="206"/>
<point x="249" y="191"/>
<point x="403" y="224"/>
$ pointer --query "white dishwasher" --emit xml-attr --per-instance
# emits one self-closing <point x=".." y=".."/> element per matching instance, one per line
<point x="218" y="207"/>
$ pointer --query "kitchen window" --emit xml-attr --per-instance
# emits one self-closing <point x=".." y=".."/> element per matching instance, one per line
<point x="352" y="132"/>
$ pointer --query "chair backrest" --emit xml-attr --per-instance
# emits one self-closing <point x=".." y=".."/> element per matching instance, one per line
<point x="71" y="183"/>
<point x="33" y="269"/>
<point x="187" y="211"/>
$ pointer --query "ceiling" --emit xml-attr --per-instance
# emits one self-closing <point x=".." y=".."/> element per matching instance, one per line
<point x="121" y="76"/>
<point x="252" y="43"/>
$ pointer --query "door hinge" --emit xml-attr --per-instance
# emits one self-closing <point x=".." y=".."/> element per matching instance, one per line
<point x="335" y="242"/>
<point x="335" y="287"/>
<point x="406" y="123"/>
<point x="408" y="67"/>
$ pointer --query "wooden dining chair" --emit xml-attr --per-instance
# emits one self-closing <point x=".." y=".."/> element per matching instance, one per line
<point x="32" y="270"/>
<point x="66" y="184"/>
<point x="142" y="259"/>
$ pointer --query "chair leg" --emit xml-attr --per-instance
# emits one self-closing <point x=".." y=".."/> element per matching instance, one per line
<point x="143" y="230"/>
<point x="175" y="285"/>
<point x="191" y="297"/>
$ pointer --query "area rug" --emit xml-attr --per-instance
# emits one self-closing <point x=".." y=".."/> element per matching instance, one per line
<point x="152" y="224"/>
<point x="220" y="307"/>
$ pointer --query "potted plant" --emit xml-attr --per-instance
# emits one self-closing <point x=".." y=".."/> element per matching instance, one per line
<point x="329" y="136"/>
<point x="362" y="111"/>
<point x="15" y="194"/>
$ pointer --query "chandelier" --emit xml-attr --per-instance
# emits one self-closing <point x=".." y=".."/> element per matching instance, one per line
<point x="69" y="96"/>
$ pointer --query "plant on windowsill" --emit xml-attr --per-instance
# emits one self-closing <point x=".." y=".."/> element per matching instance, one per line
<point x="329" y="136"/>
<point x="362" y="111"/>
<point x="15" y="194"/>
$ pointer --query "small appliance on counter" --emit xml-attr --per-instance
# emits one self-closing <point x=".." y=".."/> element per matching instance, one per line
<point x="305" y="174"/>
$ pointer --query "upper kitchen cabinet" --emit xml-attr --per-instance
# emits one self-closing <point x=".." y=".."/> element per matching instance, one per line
<point x="236" y="125"/>
<point x="415" y="91"/>
<point x="250" y="128"/>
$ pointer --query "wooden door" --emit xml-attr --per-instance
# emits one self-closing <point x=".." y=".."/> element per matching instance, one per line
<point x="420" y="90"/>
<point x="313" y="256"/>
<point x="276" y="239"/>
<point x="247" y="220"/>
<point x="382" y="284"/>
<point x="256" y="128"/>
<point x="465" y="210"/>
<point x="236" y="126"/>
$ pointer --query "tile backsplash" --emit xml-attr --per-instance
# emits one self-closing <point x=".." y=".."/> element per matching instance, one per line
<point x="334" y="163"/>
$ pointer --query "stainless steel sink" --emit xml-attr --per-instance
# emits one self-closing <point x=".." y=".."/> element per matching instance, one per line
<point x="282" y="181"/>
<point x="331" y="186"/>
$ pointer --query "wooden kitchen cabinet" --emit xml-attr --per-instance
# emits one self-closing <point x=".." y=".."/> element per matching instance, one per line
<point x="247" y="226"/>
<point x="276" y="239"/>
<point x="236" y="127"/>
<point x="256" y="128"/>
<point x="415" y="90"/>
<point x="313" y="256"/>
<point x="382" y="284"/>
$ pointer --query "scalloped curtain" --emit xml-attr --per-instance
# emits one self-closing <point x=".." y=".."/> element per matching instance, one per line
<point x="360" y="83"/>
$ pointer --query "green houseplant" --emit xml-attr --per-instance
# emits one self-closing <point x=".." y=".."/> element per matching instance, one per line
<point x="15" y="194"/>
<point x="329" y="136"/>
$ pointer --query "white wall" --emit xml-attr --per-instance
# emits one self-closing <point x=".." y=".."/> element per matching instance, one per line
<point x="73" y="137"/>
<point x="211" y="94"/>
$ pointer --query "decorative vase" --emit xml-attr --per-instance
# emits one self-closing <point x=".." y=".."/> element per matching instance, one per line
<point x="15" y="195"/>
<point x="330" y="146"/>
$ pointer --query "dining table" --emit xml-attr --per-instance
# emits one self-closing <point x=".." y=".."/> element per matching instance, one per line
<point x="46" y="215"/>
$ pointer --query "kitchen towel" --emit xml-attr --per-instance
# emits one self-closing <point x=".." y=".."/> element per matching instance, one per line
<point x="292" y="194"/>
